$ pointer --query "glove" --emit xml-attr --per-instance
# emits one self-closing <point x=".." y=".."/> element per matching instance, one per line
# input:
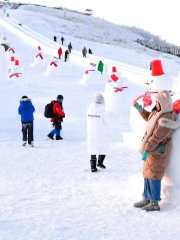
<point x="145" y="155"/>
<point x="139" y="107"/>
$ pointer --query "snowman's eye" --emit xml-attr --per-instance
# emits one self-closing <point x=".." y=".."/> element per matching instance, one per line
<point x="151" y="80"/>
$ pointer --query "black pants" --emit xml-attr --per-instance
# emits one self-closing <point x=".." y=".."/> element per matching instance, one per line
<point x="102" y="157"/>
<point x="27" y="131"/>
<point x="84" y="55"/>
<point x="59" y="56"/>
<point x="57" y="126"/>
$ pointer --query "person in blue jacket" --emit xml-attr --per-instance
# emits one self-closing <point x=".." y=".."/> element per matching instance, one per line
<point x="26" y="110"/>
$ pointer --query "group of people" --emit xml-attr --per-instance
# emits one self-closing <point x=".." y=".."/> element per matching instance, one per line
<point x="155" y="148"/>
<point x="26" y="110"/>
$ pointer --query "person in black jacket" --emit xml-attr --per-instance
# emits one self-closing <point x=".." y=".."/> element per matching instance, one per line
<point x="90" y="52"/>
<point x="66" y="55"/>
<point x="62" y="40"/>
<point x="55" y="38"/>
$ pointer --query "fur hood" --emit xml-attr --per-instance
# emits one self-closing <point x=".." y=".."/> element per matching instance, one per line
<point x="168" y="123"/>
<point x="26" y="99"/>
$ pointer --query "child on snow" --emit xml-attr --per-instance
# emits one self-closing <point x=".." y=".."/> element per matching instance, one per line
<point x="58" y="113"/>
<point x="26" y="110"/>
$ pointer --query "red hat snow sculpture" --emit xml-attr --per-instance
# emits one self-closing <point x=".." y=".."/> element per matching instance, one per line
<point x="157" y="69"/>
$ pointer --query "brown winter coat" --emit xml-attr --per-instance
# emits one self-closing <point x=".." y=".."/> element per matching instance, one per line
<point x="84" y="51"/>
<point x="155" y="165"/>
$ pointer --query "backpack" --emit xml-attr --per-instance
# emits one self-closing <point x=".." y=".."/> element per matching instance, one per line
<point x="48" y="112"/>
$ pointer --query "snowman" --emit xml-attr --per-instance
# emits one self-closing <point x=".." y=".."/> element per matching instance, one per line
<point x="89" y="75"/>
<point x="117" y="99"/>
<point x="39" y="57"/>
<point x="109" y="85"/>
<point x="158" y="81"/>
<point x="52" y="66"/>
<point x="10" y="52"/>
<point x="11" y="64"/>
<point x="3" y="63"/>
<point x="14" y="74"/>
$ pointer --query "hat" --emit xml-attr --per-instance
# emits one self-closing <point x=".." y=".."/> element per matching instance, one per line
<point x="156" y="67"/>
<point x="114" y="77"/>
<point x="99" y="98"/>
<point x="60" y="97"/>
<point x="23" y="97"/>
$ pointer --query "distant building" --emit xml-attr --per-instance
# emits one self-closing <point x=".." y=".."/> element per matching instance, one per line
<point x="88" y="12"/>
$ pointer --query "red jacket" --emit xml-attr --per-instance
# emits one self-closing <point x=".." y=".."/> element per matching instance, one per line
<point x="58" y="111"/>
<point x="60" y="51"/>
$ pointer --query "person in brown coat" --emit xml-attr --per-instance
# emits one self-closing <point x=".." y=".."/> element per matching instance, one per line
<point x="70" y="47"/>
<point x="84" y="52"/>
<point x="156" y="148"/>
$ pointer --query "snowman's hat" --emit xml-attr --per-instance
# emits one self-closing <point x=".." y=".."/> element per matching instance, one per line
<point x="12" y="59"/>
<point x="157" y="69"/>
<point x="114" y="77"/>
<point x="17" y="63"/>
<point x="39" y="48"/>
<point x="114" y="69"/>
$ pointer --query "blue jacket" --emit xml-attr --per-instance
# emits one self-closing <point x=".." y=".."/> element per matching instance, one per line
<point x="26" y="110"/>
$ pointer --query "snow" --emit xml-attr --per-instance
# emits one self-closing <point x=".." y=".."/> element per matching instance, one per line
<point x="48" y="192"/>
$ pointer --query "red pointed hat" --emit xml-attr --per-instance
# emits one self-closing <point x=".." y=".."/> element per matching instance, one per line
<point x="39" y="48"/>
<point x="157" y="69"/>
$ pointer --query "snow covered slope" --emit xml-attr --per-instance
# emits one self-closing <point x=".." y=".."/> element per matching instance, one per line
<point x="48" y="192"/>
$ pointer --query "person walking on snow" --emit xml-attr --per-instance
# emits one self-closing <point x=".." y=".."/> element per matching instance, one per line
<point x="62" y="40"/>
<point x="84" y="52"/>
<point x="60" y="52"/>
<point x="26" y="110"/>
<point x="156" y="148"/>
<point x="96" y="132"/>
<point x="90" y="52"/>
<point x="100" y="67"/>
<point x="55" y="38"/>
<point x="57" y="119"/>
<point x="70" y="47"/>
<point x="66" y="55"/>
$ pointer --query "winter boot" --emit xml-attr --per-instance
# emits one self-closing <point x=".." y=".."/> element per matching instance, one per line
<point x="59" y="138"/>
<point x="32" y="144"/>
<point x="93" y="165"/>
<point x="100" y="162"/>
<point x="50" y="136"/>
<point x="24" y="144"/>
<point x="142" y="203"/>
<point x="152" y="206"/>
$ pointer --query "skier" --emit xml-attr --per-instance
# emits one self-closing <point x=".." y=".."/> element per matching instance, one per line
<point x="96" y="132"/>
<point x="84" y="52"/>
<point x="90" y="52"/>
<point x="156" y="148"/>
<point x="62" y="40"/>
<point x="100" y="67"/>
<point x="60" y="52"/>
<point x="55" y="38"/>
<point x="66" y="55"/>
<point x="26" y="110"/>
<point x="70" y="47"/>
<point x="59" y="114"/>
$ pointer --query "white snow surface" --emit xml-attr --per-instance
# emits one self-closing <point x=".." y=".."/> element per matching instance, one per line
<point x="48" y="192"/>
